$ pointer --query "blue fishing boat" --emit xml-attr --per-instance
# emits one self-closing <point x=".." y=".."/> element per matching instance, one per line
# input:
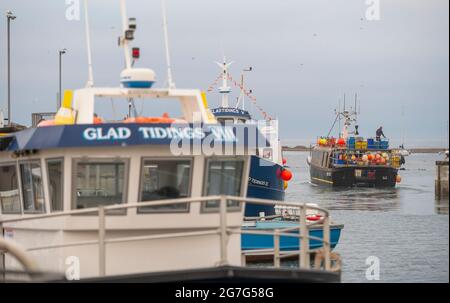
<point x="287" y="243"/>
<point x="266" y="179"/>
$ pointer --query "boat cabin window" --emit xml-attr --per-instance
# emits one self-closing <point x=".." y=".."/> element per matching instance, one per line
<point x="9" y="189"/>
<point x="165" y="179"/>
<point x="317" y="157"/>
<point x="99" y="183"/>
<point x="32" y="187"/>
<point x="326" y="157"/>
<point x="223" y="177"/>
<point x="55" y="184"/>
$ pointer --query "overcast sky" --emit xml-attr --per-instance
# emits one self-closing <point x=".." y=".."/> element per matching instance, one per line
<point x="305" y="55"/>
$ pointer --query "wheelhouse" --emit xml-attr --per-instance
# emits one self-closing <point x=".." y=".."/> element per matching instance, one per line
<point x="70" y="179"/>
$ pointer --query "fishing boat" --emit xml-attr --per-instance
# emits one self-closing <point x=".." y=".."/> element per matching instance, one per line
<point x="146" y="199"/>
<point x="269" y="175"/>
<point x="6" y="129"/>
<point x="351" y="160"/>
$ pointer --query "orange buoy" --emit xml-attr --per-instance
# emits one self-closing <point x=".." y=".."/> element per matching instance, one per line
<point x="398" y="179"/>
<point x="286" y="175"/>
<point x="284" y="161"/>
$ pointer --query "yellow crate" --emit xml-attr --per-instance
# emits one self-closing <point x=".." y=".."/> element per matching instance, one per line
<point x="361" y="145"/>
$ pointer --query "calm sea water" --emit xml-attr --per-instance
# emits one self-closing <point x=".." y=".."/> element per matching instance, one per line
<point x="402" y="227"/>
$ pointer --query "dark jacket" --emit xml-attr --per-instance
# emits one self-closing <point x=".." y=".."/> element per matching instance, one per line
<point x="380" y="133"/>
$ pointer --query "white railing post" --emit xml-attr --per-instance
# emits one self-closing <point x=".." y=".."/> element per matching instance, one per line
<point x="304" y="240"/>
<point x="101" y="241"/>
<point x="326" y="242"/>
<point x="243" y="260"/>
<point x="276" y="248"/>
<point x="223" y="231"/>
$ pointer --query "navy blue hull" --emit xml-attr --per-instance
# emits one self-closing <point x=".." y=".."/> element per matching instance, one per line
<point x="346" y="176"/>
<point x="264" y="183"/>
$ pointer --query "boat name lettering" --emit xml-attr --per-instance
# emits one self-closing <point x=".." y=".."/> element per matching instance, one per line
<point x="219" y="133"/>
<point x="258" y="182"/>
<point x="98" y="133"/>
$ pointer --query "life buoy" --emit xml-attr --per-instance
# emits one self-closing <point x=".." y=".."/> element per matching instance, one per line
<point x="335" y="258"/>
<point x="313" y="218"/>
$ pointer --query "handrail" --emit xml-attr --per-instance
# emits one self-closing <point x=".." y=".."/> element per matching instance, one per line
<point x="17" y="252"/>
<point x="222" y="229"/>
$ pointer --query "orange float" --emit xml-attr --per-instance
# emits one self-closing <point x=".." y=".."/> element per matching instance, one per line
<point x="150" y="120"/>
<point x="286" y="175"/>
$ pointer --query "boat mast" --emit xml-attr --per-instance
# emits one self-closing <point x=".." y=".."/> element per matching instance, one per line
<point x="124" y="40"/>
<point x="349" y="117"/>
<point x="242" y="95"/>
<point x="90" y="82"/>
<point x="170" y="81"/>
<point x="225" y="89"/>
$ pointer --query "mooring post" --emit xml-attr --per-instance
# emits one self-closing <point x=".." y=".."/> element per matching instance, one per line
<point x="441" y="183"/>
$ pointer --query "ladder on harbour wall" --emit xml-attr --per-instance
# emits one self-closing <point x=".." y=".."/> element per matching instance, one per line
<point x="441" y="182"/>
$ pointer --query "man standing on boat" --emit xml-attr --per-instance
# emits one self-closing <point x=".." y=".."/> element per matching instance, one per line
<point x="380" y="133"/>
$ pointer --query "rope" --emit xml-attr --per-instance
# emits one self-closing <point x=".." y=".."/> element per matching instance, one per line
<point x="251" y="97"/>
<point x="211" y="87"/>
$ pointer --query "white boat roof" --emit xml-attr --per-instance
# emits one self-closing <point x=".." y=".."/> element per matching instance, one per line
<point x="192" y="103"/>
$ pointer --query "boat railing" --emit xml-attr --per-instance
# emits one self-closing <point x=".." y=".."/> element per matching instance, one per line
<point x="223" y="230"/>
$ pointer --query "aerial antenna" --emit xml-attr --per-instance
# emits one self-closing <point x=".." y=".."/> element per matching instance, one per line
<point x="242" y="95"/>
<point x="90" y="82"/>
<point x="344" y="102"/>
<point x="167" y="49"/>
<point x="359" y="107"/>
<point x="339" y="114"/>
<point x="403" y="125"/>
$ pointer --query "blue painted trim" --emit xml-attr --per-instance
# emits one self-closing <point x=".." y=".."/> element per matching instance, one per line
<point x="137" y="84"/>
<point x="123" y="134"/>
